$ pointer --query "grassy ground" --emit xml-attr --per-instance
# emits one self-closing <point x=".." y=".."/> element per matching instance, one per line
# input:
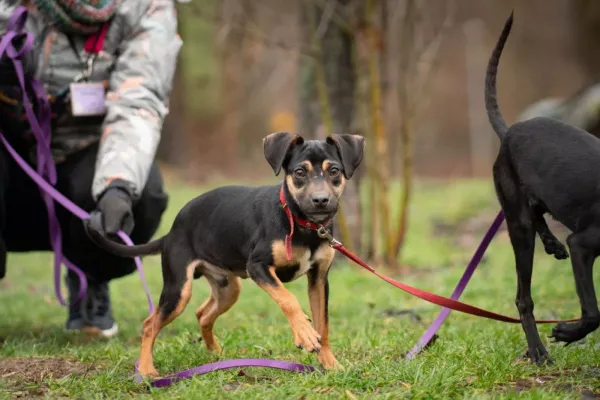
<point x="473" y="358"/>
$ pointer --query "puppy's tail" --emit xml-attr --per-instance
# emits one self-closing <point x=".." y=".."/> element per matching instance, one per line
<point x="491" y="99"/>
<point x="122" y="250"/>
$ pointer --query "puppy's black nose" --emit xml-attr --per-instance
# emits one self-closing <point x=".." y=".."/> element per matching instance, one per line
<point x="320" y="200"/>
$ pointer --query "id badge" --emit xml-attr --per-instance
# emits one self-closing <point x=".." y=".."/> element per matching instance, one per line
<point x="87" y="99"/>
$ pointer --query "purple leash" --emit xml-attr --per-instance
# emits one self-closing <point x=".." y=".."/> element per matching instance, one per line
<point x="45" y="178"/>
<point x="460" y="287"/>
<point x="216" y="366"/>
<point x="41" y="129"/>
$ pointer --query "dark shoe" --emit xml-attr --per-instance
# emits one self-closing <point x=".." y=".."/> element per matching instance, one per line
<point x="75" y="319"/>
<point x="98" y="311"/>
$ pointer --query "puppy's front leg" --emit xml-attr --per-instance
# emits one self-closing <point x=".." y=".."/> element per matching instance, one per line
<point x="318" y="292"/>
<point x="305" y="336"/>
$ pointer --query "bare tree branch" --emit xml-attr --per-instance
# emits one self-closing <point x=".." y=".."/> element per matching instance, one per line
<point x="336" y="18"/>
<point x="428" y="60"/>
<point x="325" y="18"/>
<point x="418" y="58"/>
<point x="254" y="33"/>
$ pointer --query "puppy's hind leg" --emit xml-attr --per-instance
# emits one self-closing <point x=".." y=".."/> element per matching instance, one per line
<point x="225" y="291"/>
<point x="552" y="245"/>
<point x="178" y="269"/>
<point x="521" y="229"/>
<point x="584" y="248"/>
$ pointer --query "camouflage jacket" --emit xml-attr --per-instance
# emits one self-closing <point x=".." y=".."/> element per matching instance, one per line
<point x="136" y="66"/>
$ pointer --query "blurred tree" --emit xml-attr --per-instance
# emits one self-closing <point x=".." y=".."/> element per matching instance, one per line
<point x="373" y="24"/>
<point x="173" y="140"/>
<point x="423" y="29"/>
<point x="327" y="83"/>
<point x="587" y="33"/>
<point x="198" y="87"/>
<point x="233" y="17"/>
<point x="336" y="44"/>
<point x="349" y="76"/>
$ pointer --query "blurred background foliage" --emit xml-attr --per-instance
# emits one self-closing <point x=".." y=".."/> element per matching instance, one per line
<point x="407" y="74"/>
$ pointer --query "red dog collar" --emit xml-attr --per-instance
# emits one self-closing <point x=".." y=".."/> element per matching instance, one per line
<point x="292" y="218"/>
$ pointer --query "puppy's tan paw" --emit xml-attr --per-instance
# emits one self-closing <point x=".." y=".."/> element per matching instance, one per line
<point x="305" y="336"/>
<point x="214" y="347"/>
<point x="150" y="372"/>
<point x="210" y="341"/>
<point x="328" y="361"/>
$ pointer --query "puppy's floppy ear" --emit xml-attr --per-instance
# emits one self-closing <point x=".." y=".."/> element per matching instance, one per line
<point x="351" y="149"/>
<point x="277" y="146"/>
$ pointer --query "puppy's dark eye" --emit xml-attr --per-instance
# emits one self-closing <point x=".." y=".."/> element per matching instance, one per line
<point x="334" y="171"/>
<point x="299" y="173"/>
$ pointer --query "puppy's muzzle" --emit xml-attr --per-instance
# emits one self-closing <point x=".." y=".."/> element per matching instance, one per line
<point x="320" y="200"/>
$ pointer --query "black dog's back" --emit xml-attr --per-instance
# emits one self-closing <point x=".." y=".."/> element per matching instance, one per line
<point x="558" y="164"/>
<point x="233" y="212"/>
<point x="540" y="154"/>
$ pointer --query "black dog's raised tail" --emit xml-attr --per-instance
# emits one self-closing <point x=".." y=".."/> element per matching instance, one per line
<point x="122" y="250"/>
<point x="491" y="98"/>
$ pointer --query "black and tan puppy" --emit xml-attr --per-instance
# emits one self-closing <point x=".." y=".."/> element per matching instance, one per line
<point x="547" y="166"/>
<point x="237" y="232"/>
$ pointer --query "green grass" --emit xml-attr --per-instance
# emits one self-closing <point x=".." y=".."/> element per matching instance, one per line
<point x="473" y="358"/>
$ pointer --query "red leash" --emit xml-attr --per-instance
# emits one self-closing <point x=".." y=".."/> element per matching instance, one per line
<point x="427" y="296"/>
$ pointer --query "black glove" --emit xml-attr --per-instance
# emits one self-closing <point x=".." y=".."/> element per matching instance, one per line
<point x="114" y="210"/>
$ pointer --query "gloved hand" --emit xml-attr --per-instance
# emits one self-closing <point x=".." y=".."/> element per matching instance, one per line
<point x="114" y="210"/>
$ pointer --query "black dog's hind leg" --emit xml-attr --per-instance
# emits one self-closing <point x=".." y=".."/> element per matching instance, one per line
<point x="552" y="245"/>
<point x="584" y="247"/>
<point x="521" y="229"/>
<point x="178" y="267"/>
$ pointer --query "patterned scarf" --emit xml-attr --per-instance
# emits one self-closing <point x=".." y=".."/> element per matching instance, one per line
<point x="77" y="16"/>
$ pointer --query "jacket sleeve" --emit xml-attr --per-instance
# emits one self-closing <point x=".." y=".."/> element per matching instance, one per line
<point x="6" y="11"/>
<point x="137" y="99"/>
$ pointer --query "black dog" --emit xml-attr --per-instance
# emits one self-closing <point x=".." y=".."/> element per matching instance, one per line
<point x="546" y="166"/>
<point x="237" y="232"/>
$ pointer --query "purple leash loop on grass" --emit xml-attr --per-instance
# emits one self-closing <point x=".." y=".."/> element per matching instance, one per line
<point x="227" y="364"/>
<point x="45" y="178"/>
<point x="460" y="287"/>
